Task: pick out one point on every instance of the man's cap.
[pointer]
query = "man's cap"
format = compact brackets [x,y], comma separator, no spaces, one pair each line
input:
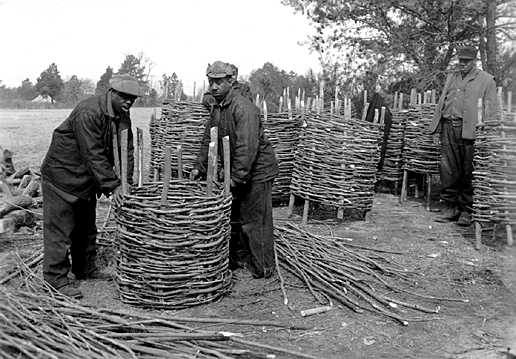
[235,71]
[467,52]
[125,83]
[219,70]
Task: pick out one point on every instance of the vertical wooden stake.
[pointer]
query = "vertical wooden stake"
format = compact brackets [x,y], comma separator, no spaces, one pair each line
[116,154]
[419,99]
[214,137]
[428,190]
[167,175]
[306,206]
[395,104]
[280,104]
[291,200]
[265,111]
[403,195]
[400,102]
[123,150]
[375,119]
[365,97]
[139,137]
[434,100]
[364,112]
[478,235]
[179,162]
[194,97]
[211,169]
[382,115]
[227,165]
[508,231]
[509,101]
[257,100]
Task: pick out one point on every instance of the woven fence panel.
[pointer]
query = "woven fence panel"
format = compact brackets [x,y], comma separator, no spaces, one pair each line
[181,123]
[283,130]
[336,161]
[420,154]
[174,255]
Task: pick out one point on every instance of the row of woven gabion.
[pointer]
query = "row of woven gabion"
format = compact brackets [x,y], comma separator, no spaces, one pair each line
[173,254]
[392,169]
[420,153]
[282,129]
[181,123]
[494,176]
[336,161]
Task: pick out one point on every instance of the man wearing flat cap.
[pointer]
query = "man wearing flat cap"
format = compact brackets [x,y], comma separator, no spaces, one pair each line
[454,123]
[253,169]
[78,167]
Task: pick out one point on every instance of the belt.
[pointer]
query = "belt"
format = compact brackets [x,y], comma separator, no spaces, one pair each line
[453,121]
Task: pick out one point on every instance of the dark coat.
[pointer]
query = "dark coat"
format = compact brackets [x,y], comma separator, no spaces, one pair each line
[252,156]
[80,158]
[377,102]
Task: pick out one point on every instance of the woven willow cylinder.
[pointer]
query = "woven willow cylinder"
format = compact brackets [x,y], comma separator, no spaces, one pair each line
[283,130]
[336,161]
[181,123]
[420,154]
[174,255]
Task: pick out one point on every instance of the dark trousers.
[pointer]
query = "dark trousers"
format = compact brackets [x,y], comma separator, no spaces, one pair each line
[68,230]
[252,237]
[456,166]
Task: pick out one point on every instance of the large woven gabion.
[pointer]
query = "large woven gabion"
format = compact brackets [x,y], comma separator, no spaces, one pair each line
[181,123]
[336,162]
[282,129]
[392,169]
[420,154]
[174,255]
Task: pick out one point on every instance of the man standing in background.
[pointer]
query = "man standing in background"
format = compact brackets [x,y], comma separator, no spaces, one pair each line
[78,167]
[454,121]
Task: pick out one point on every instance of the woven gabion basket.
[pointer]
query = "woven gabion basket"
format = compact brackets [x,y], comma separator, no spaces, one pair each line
[336,162]
[392,169]
[173,255]
[420,154]
[282,130]
[181,123]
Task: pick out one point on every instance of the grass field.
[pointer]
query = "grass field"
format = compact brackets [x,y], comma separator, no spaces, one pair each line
[28,132]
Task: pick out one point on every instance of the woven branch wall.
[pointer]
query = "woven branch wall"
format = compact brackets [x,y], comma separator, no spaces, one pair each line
[181,123]
[494,175]
[283,130]
[173,256]
[336,161]
[392,169]
[420,154]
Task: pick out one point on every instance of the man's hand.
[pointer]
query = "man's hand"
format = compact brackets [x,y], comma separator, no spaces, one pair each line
[195,174]
[436,139]
[117,197]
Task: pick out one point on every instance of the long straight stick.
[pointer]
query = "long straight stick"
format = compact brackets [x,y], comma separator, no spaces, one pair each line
[214,138]
[227,165]
[139,136]
[168,174]
[116,155]
[123,150]
[211,169]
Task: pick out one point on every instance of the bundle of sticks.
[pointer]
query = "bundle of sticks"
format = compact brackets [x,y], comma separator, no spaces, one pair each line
[282,129]
[420,153]
[355,276]
[37,322]
[182,123]
[336,161]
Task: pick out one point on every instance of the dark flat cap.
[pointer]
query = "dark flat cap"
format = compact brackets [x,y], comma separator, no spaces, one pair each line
[219,69]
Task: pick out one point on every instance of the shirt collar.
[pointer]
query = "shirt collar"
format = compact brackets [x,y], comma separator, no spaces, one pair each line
[229,97]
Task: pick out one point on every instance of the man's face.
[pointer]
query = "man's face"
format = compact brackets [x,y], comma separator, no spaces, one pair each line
[220,87]
[122,102]
[466,65]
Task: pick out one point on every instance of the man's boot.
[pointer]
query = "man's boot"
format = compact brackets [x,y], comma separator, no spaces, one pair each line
[464,219]
[449,214]
[96,274]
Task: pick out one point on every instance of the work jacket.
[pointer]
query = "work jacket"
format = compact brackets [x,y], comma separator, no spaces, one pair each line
[80,158]
[477,84]
[252,156]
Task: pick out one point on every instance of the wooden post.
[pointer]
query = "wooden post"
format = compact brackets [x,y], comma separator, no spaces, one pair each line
[167,175]
[280,104]
[382,115]
[376,116]
[306,207]
[179,162]
[123,150]
[419,98]
[365,98]
[214,137]
[211,169]
[395,104]
[321,95]
[227,165]
[139,136]
[508,228]
[257,100]
[400,102]
[116,154]
[478,227]
[265,113]
[404,183]
[428,190]
[413,97]
[194,95]
[509,101]
[434,100]
[364,112]
[291,201]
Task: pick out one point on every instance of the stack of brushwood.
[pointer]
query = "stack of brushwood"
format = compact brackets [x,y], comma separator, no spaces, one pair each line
[420,153]
[21,191]
[392,169]
[181,123]
[37,322]
[336,162]
[173,245]
[282,129]
[358,277]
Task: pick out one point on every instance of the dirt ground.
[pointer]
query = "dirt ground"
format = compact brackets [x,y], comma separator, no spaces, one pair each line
[441,253]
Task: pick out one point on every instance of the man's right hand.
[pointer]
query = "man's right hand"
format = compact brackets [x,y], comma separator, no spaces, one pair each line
[195,174]
[117,196]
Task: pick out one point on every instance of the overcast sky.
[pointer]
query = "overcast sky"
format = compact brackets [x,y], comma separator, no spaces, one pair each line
[83,37]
